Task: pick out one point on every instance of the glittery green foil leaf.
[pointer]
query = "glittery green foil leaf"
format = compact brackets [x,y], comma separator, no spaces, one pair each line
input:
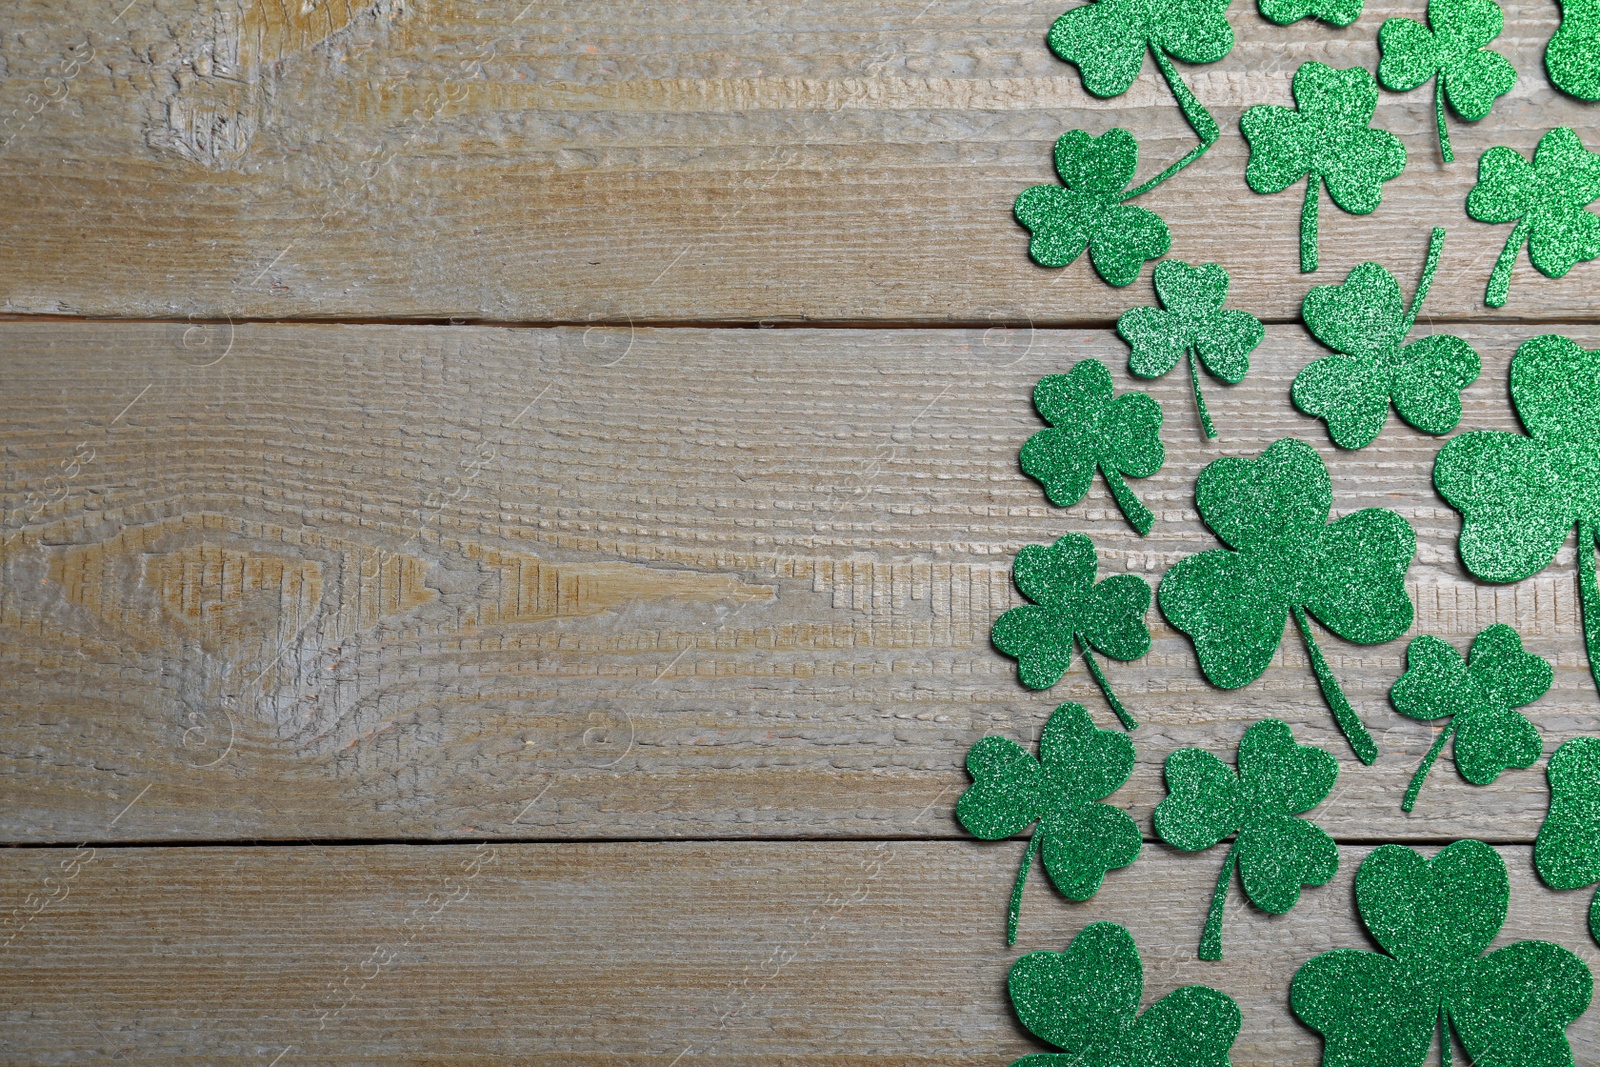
[1433,920]
[1094,430]
[1068,607]
[1452,53]
[1193,324]
[1078,766]
[1520,495]
[1365,321]
[1085,1001]
[1275,852]
[1477,696]
[1567,854]
[1285,559]
[1546,199]
[1086,209]
[1107,39]
[1326,141]
[1573,56]
[1337,12]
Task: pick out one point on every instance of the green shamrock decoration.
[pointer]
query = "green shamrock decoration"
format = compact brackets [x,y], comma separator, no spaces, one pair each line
[1275,852]
[1567,854]
[1087,211]
[1284,558]
[1478,696]
[1546,199]
[1092,431]
[1336,12]
[1085,1001]
[1452,53]
[1107,39]
[1069,607]
[1078,766]
[1365,321]
[1327,142]
[1519,495]
[1193,323]
[1433,920]
[1573,56]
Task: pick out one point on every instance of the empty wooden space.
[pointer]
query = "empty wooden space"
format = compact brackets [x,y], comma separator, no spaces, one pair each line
[504,507]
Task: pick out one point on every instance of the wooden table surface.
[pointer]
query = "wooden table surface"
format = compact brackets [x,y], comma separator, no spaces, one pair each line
[504,506]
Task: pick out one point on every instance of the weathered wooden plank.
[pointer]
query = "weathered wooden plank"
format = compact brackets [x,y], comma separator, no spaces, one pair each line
[356,582]
[706,161]
[689,953]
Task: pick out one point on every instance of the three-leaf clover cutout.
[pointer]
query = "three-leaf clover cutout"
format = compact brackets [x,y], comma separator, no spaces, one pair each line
[1284,558]
[1520,495]
[1546,199]
[1087,211]
[1433,920]
[1336,12]
[1085,1001]
[1092,429]
[1567,854]
[1478,695]
[1107,40]
[1572,57]
[1069,607]
[1450,49]
[1078,766]
[1191,322]
[1365,322]
[1328,142]
[1275,851]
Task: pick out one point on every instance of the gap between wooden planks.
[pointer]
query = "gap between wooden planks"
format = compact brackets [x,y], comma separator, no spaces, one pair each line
[363,583]
[694,162]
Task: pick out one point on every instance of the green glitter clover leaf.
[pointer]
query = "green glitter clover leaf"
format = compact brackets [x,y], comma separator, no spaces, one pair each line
[1519,495]
[1078,766]
[1337,12]
[1284,558]
[1567,854]
[1573,56]
[1327,142]
[1087,211]
[1107,39]
[1452,52]
[1477,695]
[1365,321]
[1069,607]
[1275,852]
[1193,323]
[1085,1001]
[1092,431]
[1546,199]
[1433,919]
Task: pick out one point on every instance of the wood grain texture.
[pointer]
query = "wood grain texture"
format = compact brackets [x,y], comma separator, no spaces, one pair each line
[708,161]
[814,953]
[416,582]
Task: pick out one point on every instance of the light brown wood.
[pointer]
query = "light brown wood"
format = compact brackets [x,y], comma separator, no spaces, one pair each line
[888,953]
[708,161]
[393,582]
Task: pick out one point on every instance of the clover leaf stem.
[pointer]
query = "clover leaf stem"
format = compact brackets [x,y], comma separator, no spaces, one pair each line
[1589,594]
[1447,1054]
[1199,400]
[1308,224]
[1200,120]
[1128,721]
[1133,509]
[1444,132]
[1211,938]
[1016,889]
[1435,248]
[1410,800]
[1500,279]
[1366,749]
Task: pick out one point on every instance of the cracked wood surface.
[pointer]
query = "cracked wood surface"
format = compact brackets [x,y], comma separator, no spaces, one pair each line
[606,161]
